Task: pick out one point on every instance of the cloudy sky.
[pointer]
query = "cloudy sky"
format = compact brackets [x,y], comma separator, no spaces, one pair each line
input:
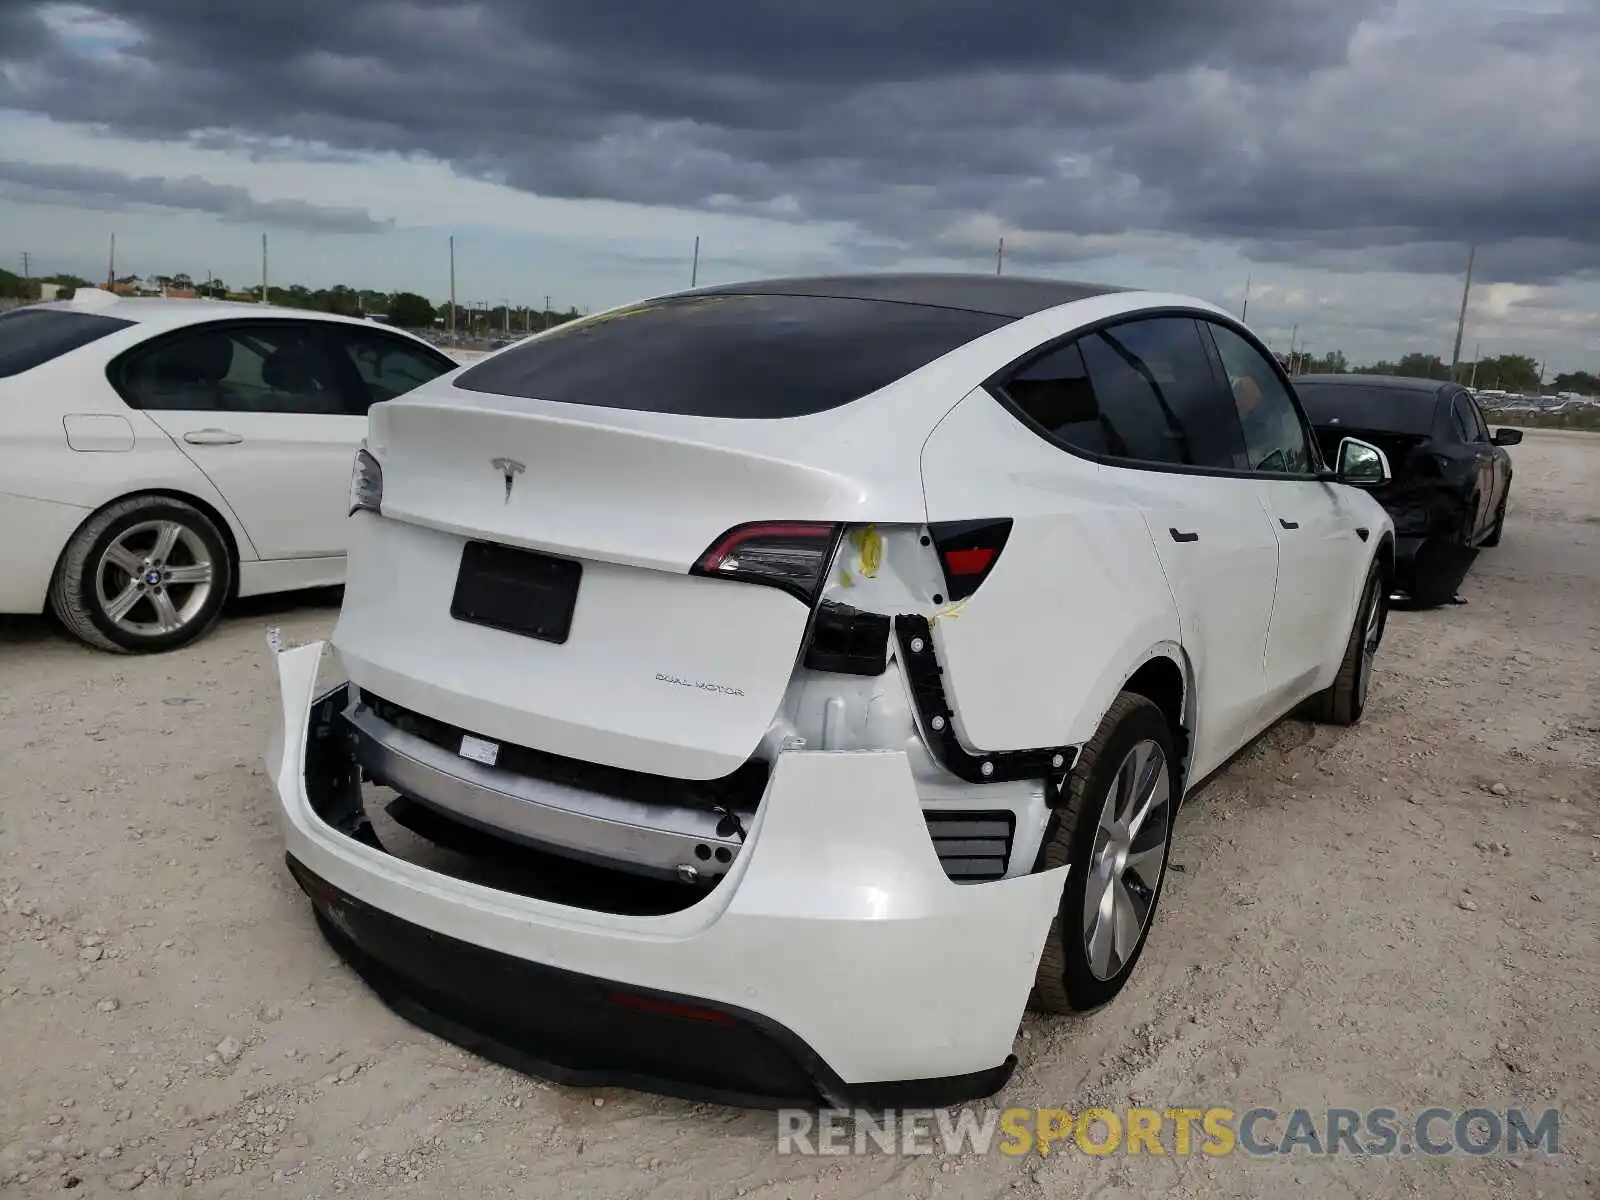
[1341,153]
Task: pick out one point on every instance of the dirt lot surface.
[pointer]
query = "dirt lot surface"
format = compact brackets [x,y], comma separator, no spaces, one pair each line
[1399,915]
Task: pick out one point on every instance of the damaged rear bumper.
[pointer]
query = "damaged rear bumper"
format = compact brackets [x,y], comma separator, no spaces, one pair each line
[835,963]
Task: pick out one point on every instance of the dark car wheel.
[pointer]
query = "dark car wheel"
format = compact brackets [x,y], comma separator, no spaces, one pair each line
[1499,523]
[143,575]
[1113,833]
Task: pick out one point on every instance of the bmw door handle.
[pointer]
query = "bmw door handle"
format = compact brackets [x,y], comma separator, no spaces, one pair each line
[212,437]
[1288,524]
[1180,536]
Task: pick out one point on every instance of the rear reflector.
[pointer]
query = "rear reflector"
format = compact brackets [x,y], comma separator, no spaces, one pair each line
[670,1008]
[791,555]
[968,551]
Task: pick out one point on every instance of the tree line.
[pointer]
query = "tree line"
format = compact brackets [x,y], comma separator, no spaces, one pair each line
[1504,372]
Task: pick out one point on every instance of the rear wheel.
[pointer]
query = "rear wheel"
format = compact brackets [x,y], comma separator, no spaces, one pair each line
[1499,523]
[1113,833]
[143,575]
[1343,702]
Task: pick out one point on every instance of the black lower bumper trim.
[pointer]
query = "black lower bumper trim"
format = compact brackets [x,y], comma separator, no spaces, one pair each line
[583,1031]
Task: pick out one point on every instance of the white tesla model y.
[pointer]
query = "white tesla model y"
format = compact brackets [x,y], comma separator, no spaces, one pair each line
[791,681]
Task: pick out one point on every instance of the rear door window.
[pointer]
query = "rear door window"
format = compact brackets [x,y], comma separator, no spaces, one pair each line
[31,337]
[1141,391]
[271,367]
[740,356]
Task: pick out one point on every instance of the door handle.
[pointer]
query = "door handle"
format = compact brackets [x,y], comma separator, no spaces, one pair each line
[1288,524]
[1178,536]
[212,437]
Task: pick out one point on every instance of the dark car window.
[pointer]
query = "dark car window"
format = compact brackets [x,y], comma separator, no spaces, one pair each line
[31,337]
[743,356]
[1275,437]
[1471,418]
[1140,390]
[1374,407]
[1459,418]
[389,366]
[280,367]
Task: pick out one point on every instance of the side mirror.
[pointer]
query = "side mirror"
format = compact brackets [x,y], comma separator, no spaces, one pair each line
[1507,437]
[1362,463]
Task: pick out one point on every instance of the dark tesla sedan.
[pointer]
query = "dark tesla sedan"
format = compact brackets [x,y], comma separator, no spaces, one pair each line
[1451,477]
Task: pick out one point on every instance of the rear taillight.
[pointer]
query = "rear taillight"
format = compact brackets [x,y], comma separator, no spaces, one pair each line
[968,551]
[791,555]
[366,484]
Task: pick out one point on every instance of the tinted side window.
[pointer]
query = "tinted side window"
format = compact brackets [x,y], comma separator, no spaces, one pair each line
[1459,418]
[30,337]
[281,368]
[389,366]
[1471,419]
[1155,397]
[1275,439]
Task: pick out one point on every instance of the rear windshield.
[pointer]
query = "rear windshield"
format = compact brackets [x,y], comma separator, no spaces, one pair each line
[730,355]
[1367,406]
[31,336]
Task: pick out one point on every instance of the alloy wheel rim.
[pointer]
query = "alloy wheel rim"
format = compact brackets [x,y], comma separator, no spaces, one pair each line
[1127,859]
[154,578]
[1369,646]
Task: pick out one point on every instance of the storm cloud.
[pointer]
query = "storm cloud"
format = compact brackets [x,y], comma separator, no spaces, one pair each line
[91,187]
[1342,133]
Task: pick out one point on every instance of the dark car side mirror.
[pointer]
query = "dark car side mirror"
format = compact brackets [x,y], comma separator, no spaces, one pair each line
[1507,437]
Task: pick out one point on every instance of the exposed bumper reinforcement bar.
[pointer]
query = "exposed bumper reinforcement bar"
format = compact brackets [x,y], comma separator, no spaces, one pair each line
[647,839]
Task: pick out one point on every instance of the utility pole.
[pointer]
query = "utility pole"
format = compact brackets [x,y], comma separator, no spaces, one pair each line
[1293,335]
[1477,353]
[545,323]
[694,270]
[111,271]
[25,272]
[1246,306]
[1000,256]
[264,294]
[452,287]
[1461,321]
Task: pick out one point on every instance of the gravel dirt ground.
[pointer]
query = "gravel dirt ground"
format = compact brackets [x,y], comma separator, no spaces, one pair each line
[1400,915]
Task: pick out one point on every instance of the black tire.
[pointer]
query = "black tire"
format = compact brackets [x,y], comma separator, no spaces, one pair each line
[1065,981]
[75,588]
[1345,700]
[1499,524]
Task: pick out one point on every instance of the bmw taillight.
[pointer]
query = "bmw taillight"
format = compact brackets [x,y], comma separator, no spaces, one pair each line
[968,551]
[366,484]
[790,555]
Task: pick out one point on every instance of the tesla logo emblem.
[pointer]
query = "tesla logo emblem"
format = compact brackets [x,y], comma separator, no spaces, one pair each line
[510,468]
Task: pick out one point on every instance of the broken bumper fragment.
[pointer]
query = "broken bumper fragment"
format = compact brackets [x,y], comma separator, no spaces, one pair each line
[835,963]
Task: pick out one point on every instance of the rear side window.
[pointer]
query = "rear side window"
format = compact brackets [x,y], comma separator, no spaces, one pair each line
[1141,390]
[30,337]
[730,355]
[1368,406]
[389,366]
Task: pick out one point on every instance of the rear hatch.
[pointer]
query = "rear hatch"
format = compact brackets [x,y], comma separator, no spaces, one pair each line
[606,542]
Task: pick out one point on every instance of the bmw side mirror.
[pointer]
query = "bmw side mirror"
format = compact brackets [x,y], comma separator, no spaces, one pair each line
[1507,437]
[1362,463]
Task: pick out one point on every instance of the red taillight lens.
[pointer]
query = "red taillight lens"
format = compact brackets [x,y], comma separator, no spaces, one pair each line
[792,555]
[670,1008]
[968,551]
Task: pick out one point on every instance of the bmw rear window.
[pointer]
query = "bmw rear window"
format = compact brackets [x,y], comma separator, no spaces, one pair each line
[1368,406]
[30,337]
[730,355]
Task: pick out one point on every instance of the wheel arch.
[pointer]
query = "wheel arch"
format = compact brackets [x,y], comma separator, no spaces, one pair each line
[215,515]
[1164,677]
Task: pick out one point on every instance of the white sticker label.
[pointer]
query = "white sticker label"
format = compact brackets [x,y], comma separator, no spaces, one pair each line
[479,750]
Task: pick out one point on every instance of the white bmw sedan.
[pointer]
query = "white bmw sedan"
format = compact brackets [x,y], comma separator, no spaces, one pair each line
[811,671]
[160,456]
